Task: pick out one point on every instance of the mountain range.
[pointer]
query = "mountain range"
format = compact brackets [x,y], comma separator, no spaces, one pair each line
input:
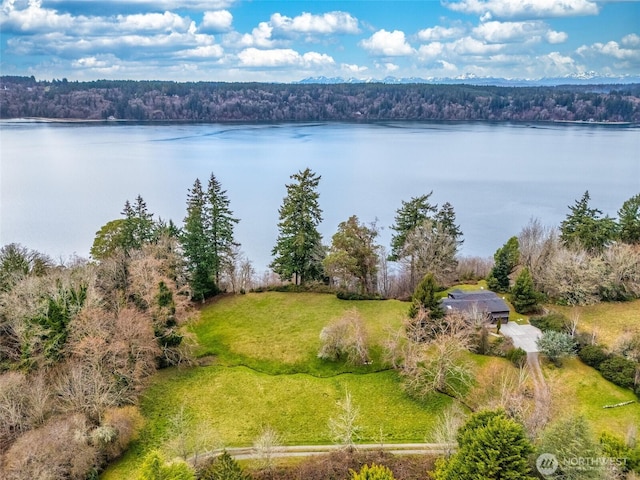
[583,78]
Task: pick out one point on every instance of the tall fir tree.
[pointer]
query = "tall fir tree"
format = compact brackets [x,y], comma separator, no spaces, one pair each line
[195,244]
[629,220]
[410,216]
[585,227]
[138,228]
[446,218]
[219,227]
[506,259]
[298,252]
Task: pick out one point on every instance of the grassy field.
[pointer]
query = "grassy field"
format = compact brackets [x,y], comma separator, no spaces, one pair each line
[578,389]
[610,320]
[280,332]
[259,366]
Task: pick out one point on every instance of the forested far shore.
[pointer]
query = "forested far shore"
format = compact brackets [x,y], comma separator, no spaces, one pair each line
[23,97]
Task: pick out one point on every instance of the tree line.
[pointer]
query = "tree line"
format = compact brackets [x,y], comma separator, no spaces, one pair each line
[250,102]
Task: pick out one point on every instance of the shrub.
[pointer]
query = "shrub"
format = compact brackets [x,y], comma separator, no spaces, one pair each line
[346,295]
[490,445]
[373,472]
[58,449]
[127,422]
[553,321]
[517,356]
[155,468]
[223,468]
[345,338]
[619,370]
[556,346]
[593,355]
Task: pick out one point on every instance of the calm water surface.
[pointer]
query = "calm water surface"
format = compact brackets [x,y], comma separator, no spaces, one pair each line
[61,182]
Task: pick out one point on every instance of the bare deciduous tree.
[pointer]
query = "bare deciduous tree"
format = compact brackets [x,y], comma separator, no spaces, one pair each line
[58,449]
[266,446]
[446,428]
[344,427]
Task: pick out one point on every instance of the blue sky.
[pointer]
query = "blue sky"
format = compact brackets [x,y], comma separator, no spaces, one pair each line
[283,41]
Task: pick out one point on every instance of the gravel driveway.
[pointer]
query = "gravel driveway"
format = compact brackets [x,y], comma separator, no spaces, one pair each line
[523,336]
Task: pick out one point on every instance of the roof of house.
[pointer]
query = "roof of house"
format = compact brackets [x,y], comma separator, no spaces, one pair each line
[483,300]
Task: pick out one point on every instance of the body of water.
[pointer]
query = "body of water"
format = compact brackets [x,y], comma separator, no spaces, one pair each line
[61,182]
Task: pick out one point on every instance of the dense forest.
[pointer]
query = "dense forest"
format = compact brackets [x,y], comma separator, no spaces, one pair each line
[22,97]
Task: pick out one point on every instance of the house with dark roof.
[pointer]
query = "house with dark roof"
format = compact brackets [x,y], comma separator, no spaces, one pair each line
[477,301]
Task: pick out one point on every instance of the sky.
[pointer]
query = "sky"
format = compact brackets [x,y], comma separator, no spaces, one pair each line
[288,40]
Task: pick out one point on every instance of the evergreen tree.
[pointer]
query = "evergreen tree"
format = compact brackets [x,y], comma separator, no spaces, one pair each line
[219,231]
[490,446]
[524,296]
[585,227]
[425,298]
[224,468]
[629,220]
[570,438]
[298,252]
[139,227]
[506,259]
[446,218]
[196,246]
[408,217]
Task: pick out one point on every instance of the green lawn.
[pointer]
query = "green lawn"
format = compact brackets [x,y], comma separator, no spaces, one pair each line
[259,366]
[280,332]
[610,320]
[578,389]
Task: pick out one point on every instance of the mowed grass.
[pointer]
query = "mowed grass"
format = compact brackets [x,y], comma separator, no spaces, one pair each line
[609,320]
[260,368]
[280,332]
[578,389]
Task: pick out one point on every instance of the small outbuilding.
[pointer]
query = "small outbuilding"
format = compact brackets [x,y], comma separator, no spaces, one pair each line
[478,301]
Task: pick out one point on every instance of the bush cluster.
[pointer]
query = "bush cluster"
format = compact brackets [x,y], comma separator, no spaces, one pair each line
[346,295]
[552,321]
[614,367]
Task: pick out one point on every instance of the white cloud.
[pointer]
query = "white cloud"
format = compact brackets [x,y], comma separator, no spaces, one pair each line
[611,49]
[327,23]
[556,37]
[472,46]
[217,21]
[149,22]
[204,52]
[525,8]
[388,67]
[352,68]
[259,37]
[430,51]
[632,40]
[165,4]
[89,62]
[282,57]
[439,33]
[317,59]
[388,44]
[508,32]
[31,17]
[555,64]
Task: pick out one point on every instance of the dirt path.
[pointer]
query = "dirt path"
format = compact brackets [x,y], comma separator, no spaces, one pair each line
[540,389]
[248,453]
